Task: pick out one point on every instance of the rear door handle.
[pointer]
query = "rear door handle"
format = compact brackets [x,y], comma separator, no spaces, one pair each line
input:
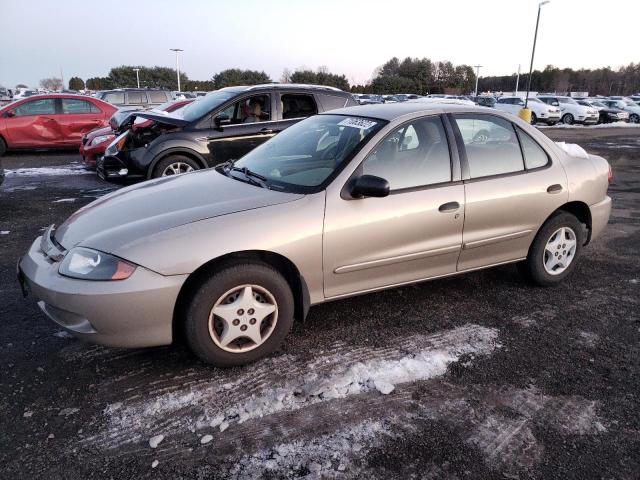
[449,207]
[265,131]
[555,188]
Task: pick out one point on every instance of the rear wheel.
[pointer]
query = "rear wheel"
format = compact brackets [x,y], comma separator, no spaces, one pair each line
[554,252]
[634,118]
[240,314]
[568,119]
[174,165]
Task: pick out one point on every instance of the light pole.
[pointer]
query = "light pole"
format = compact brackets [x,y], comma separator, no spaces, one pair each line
[518,79]
[533,52]
[137,70]
[477,76]
[177,50]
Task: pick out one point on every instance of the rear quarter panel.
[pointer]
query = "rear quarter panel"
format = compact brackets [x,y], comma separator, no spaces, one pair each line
[588,178]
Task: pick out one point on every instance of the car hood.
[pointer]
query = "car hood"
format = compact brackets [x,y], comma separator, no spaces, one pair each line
[120,123]
[129,214]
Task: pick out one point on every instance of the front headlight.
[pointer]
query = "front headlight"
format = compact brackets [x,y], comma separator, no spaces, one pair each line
[88,264]
[101,138]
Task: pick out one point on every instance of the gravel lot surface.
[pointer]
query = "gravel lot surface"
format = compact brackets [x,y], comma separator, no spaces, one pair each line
[476,376]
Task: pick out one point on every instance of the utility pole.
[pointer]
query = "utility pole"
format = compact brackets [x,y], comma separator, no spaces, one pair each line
[478,67]
[61,79]
[518,80]
[533,52]
[177,50]
[137,70]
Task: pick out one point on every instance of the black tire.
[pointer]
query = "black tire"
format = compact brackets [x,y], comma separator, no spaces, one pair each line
[568,119]
[532,269]
[551,124]
[534,119]
[634,118]
[3,146]
[162,165]
[221,281]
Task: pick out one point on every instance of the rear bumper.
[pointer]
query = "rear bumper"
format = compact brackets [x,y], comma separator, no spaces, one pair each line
[600,213]
[136,312]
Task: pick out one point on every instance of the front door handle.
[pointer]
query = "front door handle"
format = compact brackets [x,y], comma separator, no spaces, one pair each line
[555,188]
[449,207]
[265,131]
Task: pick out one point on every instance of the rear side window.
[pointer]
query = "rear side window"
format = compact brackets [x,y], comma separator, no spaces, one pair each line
[414,155]
[298,106]
[136,97]
[45,106]
[71,105]
[491,145]
[114,97]
[534,154]
[157,97]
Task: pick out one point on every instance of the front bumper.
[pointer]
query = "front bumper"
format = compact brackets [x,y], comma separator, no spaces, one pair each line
[599,217]
[136,312]
[112,167]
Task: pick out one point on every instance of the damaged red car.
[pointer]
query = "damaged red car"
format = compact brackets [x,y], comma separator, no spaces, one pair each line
[96,141]
[51,121]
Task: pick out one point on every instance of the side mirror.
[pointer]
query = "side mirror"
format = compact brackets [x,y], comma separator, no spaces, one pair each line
[10,113]
[221,120]
[369,186]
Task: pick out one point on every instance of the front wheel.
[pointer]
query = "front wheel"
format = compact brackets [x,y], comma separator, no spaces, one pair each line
[3,147]
[534,119]
[568,119]
[634,118]
[174,165]
[554,251]
[240,314]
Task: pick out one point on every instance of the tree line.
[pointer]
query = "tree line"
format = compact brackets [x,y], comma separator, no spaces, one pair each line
[410,75]
[601,81]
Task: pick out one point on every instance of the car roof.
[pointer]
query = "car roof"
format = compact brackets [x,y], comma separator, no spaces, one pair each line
[391,111]
[284,86]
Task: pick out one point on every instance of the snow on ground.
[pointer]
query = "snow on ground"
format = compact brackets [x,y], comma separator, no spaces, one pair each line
[49,171]
[64,200]
[600,125]
[289,384]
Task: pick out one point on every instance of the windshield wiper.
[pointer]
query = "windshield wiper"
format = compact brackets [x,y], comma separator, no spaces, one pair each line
[252,177]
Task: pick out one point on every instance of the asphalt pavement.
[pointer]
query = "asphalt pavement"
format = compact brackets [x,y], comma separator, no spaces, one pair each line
[475,376]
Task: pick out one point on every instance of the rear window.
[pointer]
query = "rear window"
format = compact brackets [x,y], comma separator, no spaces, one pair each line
[136,97]
[72,105]
[298,106]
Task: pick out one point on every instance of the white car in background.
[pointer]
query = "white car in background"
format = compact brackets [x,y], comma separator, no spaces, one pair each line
[571,111]
[540,111]
[627,105]
[446,100]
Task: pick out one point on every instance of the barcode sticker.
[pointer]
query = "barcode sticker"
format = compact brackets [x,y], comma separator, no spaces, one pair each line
[357,122]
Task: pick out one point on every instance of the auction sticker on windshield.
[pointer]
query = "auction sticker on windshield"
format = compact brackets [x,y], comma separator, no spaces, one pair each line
[357,122]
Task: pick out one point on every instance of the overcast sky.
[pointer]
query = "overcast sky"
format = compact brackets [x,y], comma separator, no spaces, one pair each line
[86,38]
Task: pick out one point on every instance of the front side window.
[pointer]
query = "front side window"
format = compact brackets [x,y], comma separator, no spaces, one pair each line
[414,155]
[306,155]
[72,105]
[534,154]
[114,97]
[45,106]
[299,106]
[249,110]
[491,145]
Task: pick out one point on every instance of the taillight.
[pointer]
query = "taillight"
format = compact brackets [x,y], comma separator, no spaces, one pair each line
[610,176]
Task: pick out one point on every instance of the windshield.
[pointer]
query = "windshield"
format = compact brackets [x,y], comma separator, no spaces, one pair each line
[598,104]
[567,100]
[205,104]
[534,100]
[308,154]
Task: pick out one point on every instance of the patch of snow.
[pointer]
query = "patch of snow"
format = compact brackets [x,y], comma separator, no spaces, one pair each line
[5,232]
[51,435]
[27,414]
[20,188]
[154,464]
[383,387]
[155,440]
[64,200]
[206,439]
[600,125]
[338,374]
[48,171]
[634,281]
[63,334]
[68,411]
[573,149]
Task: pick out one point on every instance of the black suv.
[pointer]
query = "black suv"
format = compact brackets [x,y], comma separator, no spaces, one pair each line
[222,126]
[133,97]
